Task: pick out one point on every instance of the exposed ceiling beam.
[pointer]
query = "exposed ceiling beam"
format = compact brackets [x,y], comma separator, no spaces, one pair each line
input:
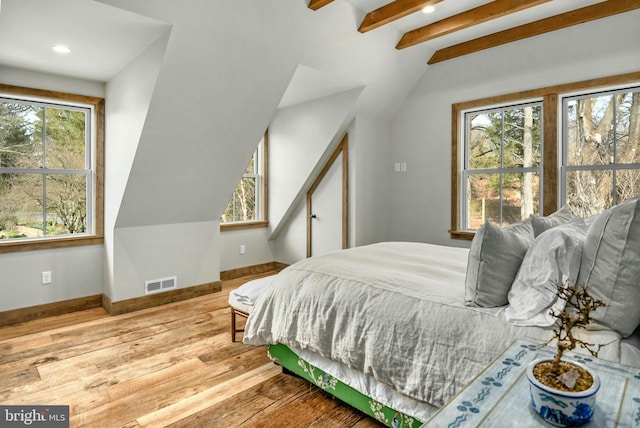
[392,11]
[486,12]
[317,4]
[563,20]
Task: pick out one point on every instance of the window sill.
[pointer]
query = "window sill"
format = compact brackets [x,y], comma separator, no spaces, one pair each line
[464,235]
[49,243]
[224,227]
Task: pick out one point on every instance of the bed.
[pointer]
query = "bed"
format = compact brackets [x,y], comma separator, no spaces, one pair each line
[396,329]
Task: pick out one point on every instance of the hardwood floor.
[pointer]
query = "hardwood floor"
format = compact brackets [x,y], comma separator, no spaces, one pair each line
[172,365]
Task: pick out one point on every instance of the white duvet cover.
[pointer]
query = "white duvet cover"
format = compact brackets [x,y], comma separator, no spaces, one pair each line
[394,311]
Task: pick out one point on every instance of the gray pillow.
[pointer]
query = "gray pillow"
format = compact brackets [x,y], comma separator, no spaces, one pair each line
[494,259]
[540,224]
[610,266]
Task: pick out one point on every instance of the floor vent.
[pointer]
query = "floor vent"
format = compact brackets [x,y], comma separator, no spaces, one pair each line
[160,285]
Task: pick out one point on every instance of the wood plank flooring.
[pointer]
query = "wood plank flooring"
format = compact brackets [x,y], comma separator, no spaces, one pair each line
[168,366]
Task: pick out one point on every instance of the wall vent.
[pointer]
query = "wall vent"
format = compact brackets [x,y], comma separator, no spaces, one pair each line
[160,285]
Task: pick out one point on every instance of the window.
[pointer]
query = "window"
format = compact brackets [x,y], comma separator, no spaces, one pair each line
[531,152]
[48,174]
[601,150]
[247,206]
[501,173]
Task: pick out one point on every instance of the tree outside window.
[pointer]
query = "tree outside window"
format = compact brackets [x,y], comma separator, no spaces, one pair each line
[45,169]
[247,199]
[502,164]
[601,150]
[502,171]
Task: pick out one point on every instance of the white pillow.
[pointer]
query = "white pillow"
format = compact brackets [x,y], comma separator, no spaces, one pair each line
[540,224]
[494,259]
[553,259]
[610,266]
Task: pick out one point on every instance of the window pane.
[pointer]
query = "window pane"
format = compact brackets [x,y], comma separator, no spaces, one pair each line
[590,131]
[483,199]
[522,136]
[515,130]
[243,205]
[246,199]
[628,128]
[520,196]
[20,135]
[485,136]
[21,206]
[65,131]
[502,198]
[251,167]
[627,184]
[66,204]
[589,192]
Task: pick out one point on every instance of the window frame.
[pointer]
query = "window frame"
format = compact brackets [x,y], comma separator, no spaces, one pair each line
[614,166]
[467,172]
[96,104]
[262,178]
[551,138]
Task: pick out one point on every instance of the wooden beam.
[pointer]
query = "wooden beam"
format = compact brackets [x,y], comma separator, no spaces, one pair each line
[317,4]
[486,12]
[563,20]
[392,11]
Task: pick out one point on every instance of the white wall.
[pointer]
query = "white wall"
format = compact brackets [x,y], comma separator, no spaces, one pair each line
[187,250]
[128,96]
[301,138]
[20,273]
[291,243]
[258,248]
[50,82]
[225,69]
[75,271]
[421,129]
[370,169]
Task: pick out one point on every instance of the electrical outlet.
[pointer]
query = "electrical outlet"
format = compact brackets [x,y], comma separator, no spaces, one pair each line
[243,249]
[46,277]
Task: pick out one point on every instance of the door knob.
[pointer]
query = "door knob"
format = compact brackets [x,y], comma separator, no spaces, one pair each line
[314,216]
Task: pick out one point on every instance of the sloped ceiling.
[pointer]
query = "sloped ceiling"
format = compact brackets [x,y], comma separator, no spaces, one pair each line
[102,39]
[309,84]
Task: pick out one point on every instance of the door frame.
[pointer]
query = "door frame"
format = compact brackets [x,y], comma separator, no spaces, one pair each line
[342,148]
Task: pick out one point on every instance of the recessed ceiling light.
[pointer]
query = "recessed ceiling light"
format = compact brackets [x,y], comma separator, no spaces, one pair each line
[61,49]
[428,9]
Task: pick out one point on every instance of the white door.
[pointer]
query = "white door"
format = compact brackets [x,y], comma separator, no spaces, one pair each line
[326,211]
[327,204]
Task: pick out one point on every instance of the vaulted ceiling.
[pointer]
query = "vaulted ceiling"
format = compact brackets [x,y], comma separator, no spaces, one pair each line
[462,27]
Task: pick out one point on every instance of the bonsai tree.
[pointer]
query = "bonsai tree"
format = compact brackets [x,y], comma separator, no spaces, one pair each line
[579,305]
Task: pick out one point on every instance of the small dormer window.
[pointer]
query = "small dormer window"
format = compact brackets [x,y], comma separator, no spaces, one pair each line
[247,207]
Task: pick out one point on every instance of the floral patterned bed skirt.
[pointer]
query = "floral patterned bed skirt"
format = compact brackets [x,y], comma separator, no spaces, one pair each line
[288,359]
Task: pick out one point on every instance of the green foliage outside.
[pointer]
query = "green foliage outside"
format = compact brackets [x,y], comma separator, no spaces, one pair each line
[502,144]
[602,157]
[42,149]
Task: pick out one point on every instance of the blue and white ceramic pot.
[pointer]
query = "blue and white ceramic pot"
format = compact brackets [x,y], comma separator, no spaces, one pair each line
[562,408]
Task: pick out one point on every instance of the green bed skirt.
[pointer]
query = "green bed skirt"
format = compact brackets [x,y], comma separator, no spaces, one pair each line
[288,359]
